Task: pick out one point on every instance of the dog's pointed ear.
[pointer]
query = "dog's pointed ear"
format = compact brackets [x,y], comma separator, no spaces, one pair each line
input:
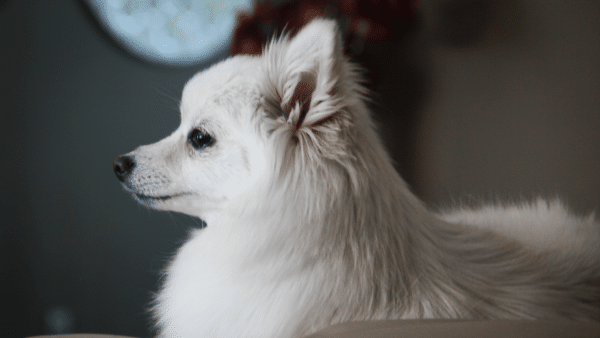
[303,74]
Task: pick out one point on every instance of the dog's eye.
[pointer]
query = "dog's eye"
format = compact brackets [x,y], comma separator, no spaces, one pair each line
[199,139]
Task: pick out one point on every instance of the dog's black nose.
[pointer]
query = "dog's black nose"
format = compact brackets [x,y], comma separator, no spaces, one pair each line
[123,165]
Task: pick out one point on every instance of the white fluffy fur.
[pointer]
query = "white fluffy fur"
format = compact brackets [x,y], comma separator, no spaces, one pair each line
[309,224]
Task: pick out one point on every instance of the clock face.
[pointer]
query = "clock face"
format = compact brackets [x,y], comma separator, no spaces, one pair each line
[172,32]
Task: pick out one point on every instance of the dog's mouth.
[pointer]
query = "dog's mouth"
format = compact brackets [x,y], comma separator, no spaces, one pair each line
[148,198]
[153,198]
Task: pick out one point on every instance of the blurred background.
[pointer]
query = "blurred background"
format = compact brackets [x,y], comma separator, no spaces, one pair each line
[477,100]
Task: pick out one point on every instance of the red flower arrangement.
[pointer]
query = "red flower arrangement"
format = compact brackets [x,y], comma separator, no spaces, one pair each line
[365,21]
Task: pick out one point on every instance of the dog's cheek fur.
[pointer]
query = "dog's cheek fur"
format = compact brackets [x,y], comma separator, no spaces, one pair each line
[223,172]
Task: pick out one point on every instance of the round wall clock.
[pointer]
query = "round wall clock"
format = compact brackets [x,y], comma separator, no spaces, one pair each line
[172,32]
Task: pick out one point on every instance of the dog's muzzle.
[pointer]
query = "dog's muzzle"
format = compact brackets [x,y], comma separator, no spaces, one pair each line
[123,166]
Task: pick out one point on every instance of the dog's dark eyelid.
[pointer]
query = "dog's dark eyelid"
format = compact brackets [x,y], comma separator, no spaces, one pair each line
[199,139]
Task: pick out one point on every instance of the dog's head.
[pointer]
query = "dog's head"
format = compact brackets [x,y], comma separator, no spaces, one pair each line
[249,117]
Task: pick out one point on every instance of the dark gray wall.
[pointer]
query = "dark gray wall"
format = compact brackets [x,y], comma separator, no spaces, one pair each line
[70,238]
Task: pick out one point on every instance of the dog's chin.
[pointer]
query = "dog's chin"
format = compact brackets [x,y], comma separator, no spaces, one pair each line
[182,202]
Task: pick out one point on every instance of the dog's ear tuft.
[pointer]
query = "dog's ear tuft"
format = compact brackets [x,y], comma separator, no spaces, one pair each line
[303,74]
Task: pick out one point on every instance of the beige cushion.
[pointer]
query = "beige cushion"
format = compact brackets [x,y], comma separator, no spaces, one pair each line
[440,329]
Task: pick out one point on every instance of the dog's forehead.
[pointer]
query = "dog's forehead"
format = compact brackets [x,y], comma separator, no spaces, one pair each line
[227,76]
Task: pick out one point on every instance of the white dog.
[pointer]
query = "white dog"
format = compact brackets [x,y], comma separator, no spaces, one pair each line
[309,224]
